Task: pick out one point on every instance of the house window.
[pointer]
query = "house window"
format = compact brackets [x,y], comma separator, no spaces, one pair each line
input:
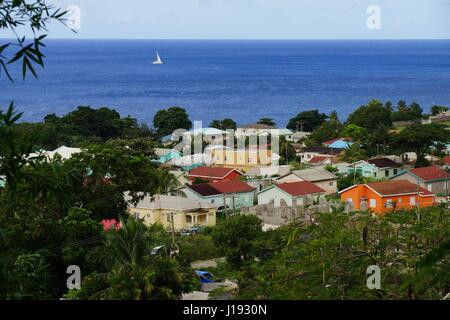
[136,215]
[188,219]
[395,171]
[331,183]
[213,200]
[374,174]
[386,173]
[430,187]
[412,201]
[373,203]
[389,203]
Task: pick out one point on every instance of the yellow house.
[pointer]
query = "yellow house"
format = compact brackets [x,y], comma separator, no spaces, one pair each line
[243,159]
[186,213]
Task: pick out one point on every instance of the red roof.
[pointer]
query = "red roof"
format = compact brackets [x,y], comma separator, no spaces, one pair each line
[301,188]
[447,160]
[211,172]
[430,173]
[318,159]
[394,187]
[221,187]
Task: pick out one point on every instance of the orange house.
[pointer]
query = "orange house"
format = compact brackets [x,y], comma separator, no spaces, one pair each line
[383,197]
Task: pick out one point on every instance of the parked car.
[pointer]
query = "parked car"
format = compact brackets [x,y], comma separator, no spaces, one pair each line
[206,277]
[223,209]
[190,231]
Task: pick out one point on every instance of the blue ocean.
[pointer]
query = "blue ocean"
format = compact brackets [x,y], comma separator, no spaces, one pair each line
[242,80]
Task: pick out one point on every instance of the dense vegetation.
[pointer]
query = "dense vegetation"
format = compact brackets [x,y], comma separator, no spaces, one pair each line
[328,257]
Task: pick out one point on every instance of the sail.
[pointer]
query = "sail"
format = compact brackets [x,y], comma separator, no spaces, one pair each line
[158,59]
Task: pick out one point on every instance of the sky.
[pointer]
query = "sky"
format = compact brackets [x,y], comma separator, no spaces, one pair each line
[256,19]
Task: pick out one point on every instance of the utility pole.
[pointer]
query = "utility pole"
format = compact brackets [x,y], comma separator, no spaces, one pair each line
[225,205]
[234,207]
[174,249]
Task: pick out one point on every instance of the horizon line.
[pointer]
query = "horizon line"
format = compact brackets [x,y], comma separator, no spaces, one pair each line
[253,39]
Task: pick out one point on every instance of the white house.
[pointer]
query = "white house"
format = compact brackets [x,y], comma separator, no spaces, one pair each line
[292,194]
[321,177]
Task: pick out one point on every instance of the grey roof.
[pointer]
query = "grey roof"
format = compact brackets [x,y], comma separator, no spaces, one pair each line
[169,203]
[257,126]
[314,174]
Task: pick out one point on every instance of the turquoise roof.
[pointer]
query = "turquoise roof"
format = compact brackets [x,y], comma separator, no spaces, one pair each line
[340,144]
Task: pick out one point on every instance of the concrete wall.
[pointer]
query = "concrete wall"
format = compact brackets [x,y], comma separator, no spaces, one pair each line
[285,214]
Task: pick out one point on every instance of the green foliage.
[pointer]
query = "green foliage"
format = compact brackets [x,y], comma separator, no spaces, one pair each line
[168,120]
[357,133]
[328,130]
[353,153]
[267,121]
[17,16]
[328,259]
[435,110]
[307,120]
[371,116]
[82,126]
[135,274]
[407,113]
[234,238]
[287,151]
[422,139]
[224,124]
[197,247]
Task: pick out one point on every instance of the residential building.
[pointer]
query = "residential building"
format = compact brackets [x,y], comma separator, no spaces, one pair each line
[339,143]
[213,174]
[434,179]
[186,212]
[167,156]
[446,162]
[210,135]
[377,168]
[282,133]
[63,152]
[254,129]
[292,194]
[244,159]
[271,171]
[187,163]
[298,136]
[321,177]
[383,197]
[306,154]
[322,161]
[234,193]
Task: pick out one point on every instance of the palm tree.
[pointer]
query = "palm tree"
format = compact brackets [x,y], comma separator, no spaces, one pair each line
[164,182]
[286,149]
[352,154]
[129,244]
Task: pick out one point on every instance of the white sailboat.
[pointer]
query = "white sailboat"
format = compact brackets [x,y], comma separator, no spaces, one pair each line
[158,59]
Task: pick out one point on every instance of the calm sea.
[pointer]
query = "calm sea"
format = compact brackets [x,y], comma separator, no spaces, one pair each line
[242,80]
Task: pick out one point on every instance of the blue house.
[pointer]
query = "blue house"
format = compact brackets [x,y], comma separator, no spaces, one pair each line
[340,143]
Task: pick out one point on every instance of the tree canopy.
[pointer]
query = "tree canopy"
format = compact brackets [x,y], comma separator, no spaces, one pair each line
[168,120]
[307,120]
